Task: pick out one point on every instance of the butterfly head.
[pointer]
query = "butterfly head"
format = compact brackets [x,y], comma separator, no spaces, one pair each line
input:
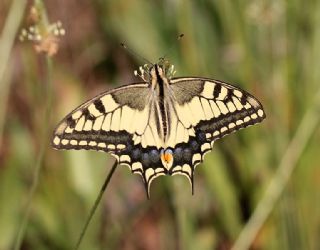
[166,67]
[150,71]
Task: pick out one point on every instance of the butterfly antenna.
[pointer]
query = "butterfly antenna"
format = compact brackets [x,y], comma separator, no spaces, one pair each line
[135,54]
[171,47]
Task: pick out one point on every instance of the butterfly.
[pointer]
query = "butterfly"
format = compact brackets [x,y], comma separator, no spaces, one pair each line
[162,125]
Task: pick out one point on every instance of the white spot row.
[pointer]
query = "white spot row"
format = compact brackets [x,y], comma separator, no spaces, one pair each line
[58,141]
[233,125]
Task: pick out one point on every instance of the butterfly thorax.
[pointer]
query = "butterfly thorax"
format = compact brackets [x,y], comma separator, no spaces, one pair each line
[160,98]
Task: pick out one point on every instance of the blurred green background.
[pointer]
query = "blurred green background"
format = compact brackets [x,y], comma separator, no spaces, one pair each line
[270,48]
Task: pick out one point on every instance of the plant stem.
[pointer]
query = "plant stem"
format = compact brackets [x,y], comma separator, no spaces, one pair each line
[96,203]
[278,183]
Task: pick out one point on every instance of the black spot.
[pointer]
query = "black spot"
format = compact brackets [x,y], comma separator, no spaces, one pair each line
[202,137]
[187,154]
[71,122]
[136,154]
[99,106]
[154,156]
[243,99]
[228,96]
[145,159]
[177,155]
[217,90]
[88,115]
[194,145]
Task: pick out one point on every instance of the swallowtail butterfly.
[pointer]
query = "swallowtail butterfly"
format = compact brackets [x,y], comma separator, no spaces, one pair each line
[162,125]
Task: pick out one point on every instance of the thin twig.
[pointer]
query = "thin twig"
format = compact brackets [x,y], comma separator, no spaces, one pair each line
[96,203]
[278,183]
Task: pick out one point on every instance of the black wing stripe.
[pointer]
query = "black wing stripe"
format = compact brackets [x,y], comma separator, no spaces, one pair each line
[216,91]
[99,106]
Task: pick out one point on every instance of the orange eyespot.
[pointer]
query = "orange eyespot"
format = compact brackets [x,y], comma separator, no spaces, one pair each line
[167,156]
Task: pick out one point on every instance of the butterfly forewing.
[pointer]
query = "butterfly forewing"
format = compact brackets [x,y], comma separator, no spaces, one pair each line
[106,122]
[215,107]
